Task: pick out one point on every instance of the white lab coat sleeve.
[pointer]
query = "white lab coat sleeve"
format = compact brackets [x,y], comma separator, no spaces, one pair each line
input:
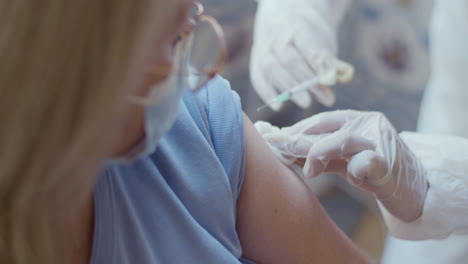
[444,108]
[445,160]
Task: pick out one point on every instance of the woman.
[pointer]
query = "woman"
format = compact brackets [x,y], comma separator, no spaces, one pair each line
[88,84]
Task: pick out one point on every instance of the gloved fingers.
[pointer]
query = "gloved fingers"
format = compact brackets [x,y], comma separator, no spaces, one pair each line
[335,166]
[309,47]
[263,128]
[313,52]
[299,146]
[338,167]
[317,124]
[326,68]
[279,142]
[282,79]
[314,34]
[323,94]
[329,72]
[302,72]
[326,122]
[264,89]
[338,146]
[290,58]
[302,99]
[324,64]
[300,162]
[367,167]
[332,70]
[299,71]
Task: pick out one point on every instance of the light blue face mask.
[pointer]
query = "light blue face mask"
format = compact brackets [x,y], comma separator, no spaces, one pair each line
[159,118]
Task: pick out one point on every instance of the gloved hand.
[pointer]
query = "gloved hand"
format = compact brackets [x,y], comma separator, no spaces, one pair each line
[289,145]
[295,41]
[364,148]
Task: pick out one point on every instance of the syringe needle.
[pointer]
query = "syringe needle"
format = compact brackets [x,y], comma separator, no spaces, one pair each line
[262,107]
[285,96]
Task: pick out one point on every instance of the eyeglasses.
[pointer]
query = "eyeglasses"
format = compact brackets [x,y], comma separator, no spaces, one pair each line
[206,48]
[200,53]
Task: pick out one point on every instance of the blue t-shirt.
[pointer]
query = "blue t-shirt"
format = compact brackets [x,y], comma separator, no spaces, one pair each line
[179,204]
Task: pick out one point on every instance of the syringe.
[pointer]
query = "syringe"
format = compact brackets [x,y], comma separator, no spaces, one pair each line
[286,96]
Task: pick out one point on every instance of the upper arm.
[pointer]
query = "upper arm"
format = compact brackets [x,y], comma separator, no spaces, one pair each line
[279,220]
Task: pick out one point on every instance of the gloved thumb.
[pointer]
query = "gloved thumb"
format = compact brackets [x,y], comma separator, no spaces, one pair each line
[369,171]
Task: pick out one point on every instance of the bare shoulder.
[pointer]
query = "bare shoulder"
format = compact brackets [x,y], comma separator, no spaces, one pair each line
[279,219]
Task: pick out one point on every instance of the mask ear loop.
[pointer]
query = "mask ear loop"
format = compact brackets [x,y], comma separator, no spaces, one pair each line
[195,78]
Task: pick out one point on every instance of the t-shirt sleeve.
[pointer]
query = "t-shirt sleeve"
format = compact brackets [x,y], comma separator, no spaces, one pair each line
[223,111]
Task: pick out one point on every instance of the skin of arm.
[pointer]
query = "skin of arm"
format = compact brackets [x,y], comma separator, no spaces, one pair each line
[279,220]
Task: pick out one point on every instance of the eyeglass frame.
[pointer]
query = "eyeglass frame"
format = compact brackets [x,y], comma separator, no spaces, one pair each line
[222,54]
[183,38]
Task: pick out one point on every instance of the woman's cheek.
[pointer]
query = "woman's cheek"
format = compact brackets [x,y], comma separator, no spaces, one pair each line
[158,72]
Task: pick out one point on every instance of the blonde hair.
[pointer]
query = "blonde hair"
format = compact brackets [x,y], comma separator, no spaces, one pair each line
[63,69]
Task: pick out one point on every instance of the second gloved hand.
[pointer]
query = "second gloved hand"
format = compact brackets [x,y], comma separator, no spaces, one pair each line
[295,41]
[364,148]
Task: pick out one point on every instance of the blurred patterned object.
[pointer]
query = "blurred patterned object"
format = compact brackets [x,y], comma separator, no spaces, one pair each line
[390,49]
[387,41]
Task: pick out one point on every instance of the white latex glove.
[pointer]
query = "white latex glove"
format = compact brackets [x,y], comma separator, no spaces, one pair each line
[290,147]
[295,41]
[445,97]
[445,160]
[363,147]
